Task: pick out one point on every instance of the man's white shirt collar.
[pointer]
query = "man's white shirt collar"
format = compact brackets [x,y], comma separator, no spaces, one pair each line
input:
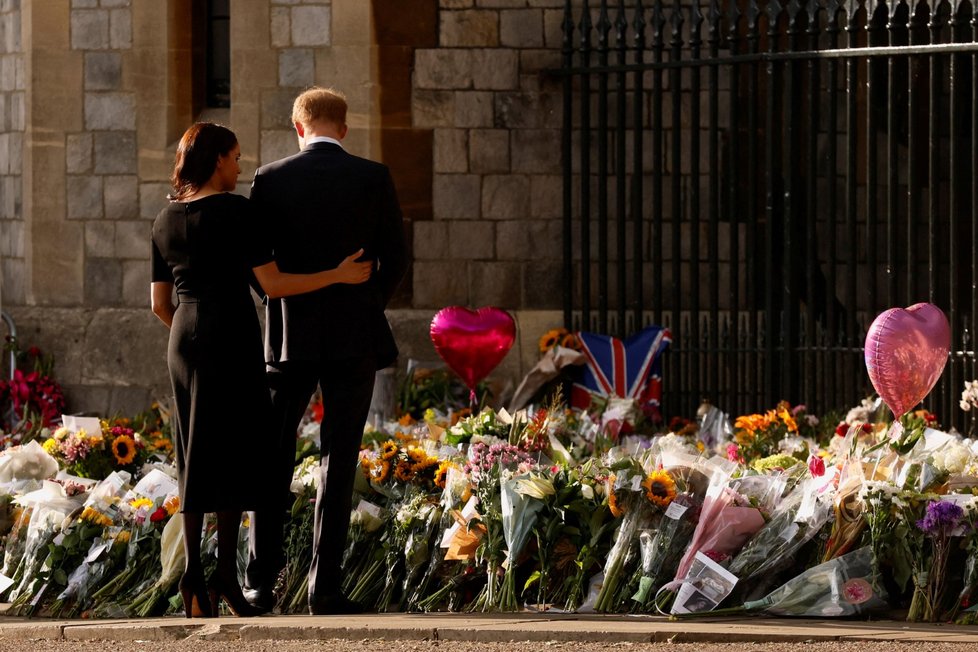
[323,139]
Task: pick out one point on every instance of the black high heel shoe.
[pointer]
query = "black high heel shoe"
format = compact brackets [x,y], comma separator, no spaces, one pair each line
[220,588]
[193,589]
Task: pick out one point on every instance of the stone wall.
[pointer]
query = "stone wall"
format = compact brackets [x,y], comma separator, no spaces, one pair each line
[12,240]
[450,94]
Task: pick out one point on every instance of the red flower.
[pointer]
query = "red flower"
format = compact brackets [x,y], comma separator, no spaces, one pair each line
[816,466]
[34,351]
[158,515]
[842,429]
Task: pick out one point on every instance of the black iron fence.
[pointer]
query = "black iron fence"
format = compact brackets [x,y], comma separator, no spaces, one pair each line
[764,178]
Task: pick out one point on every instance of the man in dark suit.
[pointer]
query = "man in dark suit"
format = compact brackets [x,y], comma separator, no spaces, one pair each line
[317,206]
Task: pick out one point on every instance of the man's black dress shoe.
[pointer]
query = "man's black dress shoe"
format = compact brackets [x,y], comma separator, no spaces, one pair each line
[260,599]
[334,605]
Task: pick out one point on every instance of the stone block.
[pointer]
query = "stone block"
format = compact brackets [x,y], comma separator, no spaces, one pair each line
[132,239]
[521,28]
[84,197]
[296,67]
[276,108]
[440,284]
[277,144]
[543,285]
[120,29]
[89,29]
[505,197]
[152,199]
[15,152]
[537,151]
[500,4]
[121,197]
[17,111]
[84,4]
[471,28]
[553,28]
[115,3]
[285,2]
[455,196]
[473,109]
[110,111]
[471,240]
[456,4]
[12,243]
[311,25]
[136,278]
[431,240]
[495,69]
[4,154]
[451,151]
[527,110]
[529,240]
[281,27]
[446,68]
[103,282]
[546,196]
[136,351]
[432,109]
[12,281]
[100,239]
[546,4]
[489,150]
[115,152]
[11,197]
[103,71]
[495,284]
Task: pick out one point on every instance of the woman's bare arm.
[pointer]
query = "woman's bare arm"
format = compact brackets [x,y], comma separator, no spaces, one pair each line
[161,299]
[277,283]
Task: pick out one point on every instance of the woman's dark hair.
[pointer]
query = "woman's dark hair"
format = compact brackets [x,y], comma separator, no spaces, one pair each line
[197,155]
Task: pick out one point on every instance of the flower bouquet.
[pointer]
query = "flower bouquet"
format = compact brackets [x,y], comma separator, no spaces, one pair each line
[941,523]
[523,498]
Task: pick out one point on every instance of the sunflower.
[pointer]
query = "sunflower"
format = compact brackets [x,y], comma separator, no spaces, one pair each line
[379,470]
[141,502]
[551,339]
[172,505]
[94,516]
[388,449]
[660,488]
[124,449]
[570,341]
[416,455]
[441,474]
[616,510]
[403,471]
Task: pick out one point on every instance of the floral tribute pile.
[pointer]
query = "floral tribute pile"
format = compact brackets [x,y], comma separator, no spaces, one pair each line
[549,508]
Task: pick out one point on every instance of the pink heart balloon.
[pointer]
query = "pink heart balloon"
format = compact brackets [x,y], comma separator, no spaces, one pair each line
[472,342]
[906,350]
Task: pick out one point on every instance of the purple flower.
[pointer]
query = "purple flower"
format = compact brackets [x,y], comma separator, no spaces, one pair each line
[941,518]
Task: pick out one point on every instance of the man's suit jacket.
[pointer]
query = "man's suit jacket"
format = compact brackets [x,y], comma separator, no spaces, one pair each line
[318,207]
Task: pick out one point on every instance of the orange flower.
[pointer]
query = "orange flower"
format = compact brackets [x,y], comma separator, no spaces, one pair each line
[616,510]
[660,488]
[406,419]
[551,338]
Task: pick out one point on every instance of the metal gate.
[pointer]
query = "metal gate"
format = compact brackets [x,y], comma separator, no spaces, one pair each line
[765,177]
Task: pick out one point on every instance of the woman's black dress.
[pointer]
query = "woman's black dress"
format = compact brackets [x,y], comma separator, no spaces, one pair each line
[207,249]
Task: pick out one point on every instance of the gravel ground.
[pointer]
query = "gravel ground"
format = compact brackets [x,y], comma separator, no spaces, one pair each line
[337,645]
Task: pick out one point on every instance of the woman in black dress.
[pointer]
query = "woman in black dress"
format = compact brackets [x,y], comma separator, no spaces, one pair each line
[207,245]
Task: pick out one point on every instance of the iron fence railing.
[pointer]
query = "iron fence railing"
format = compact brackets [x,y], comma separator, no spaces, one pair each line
[764,177]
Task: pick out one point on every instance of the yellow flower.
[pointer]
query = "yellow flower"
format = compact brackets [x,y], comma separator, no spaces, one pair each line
[441,475]
[379,470]
[388,449]
[406,419]
[660,488]
[50,446]
[96,517]
[124,449]
[616,510]
[141,502]
[416,455]
[403,471]
[551,339]
[172,505]
[61,433]
[570,341]
[123,537]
